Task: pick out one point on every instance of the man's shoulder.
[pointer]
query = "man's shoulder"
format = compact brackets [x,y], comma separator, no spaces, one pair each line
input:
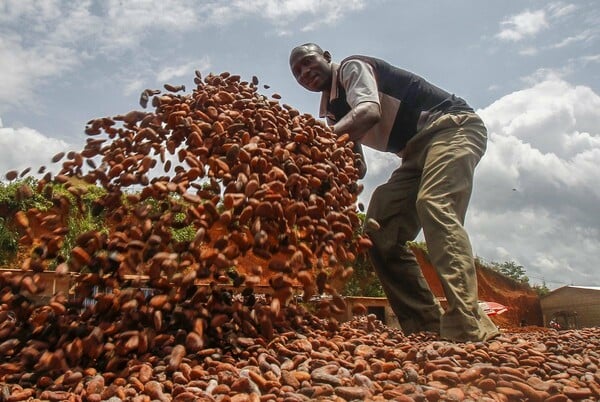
[357,60]
[354,64]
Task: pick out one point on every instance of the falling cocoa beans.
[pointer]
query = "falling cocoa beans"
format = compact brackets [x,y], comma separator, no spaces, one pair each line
[223,209]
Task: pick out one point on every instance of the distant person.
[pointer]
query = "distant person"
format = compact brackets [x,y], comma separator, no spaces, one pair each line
[440,140]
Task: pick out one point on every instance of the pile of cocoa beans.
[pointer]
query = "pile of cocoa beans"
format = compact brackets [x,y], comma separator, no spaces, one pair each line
[361,360]
[278,184]
[153,317]
[250,177]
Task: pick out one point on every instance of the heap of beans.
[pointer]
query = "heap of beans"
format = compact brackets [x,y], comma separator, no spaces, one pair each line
[256,178]
[225,160]
[360,360]
[250,176]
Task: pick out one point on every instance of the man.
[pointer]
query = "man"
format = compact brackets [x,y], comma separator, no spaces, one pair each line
[440,140]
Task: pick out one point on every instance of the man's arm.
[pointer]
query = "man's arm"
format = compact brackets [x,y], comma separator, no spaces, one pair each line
[360,162]
[359,82]
[358,79]
[358,120]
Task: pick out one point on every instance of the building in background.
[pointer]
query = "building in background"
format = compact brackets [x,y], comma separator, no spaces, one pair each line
[571,307]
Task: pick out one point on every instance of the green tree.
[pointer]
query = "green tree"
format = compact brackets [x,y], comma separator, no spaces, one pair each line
[512,270]
[9,242]
[364,282]
[22,194]
[541,290]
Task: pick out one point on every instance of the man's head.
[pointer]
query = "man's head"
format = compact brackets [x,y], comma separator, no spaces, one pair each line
[311,67]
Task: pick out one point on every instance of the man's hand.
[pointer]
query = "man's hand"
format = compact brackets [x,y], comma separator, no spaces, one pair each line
[362,168]
[360,163]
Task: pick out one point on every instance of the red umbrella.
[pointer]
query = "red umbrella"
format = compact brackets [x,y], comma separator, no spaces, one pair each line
[492,308]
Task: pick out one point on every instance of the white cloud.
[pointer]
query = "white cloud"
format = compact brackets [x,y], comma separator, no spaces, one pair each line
[282,12]
[166,74]
[527,23]
[44,50]
[128,22]
[44,40]
[132,86]
[560,9]
[549,115]
[22,148]
[595,58]
[23,68]
[12,10]
[528,51]
[581,37]
[380,162]
[380,166]
[537,183]
[547,74]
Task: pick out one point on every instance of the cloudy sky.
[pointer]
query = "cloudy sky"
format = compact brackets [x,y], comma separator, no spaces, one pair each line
[530,68]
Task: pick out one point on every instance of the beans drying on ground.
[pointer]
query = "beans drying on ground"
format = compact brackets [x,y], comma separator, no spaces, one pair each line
[358,360]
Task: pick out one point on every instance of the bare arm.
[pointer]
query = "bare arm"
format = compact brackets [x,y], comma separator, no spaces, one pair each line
[359,120]
[359,82]
[356,123]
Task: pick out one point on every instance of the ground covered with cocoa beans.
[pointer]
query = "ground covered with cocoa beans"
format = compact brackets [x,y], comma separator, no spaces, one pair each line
[359,360]
[207,242]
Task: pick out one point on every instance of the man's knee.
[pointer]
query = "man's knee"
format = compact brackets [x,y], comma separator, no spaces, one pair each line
[426,206]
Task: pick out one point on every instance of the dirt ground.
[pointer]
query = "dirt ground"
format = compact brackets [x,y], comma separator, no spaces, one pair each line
[523,303]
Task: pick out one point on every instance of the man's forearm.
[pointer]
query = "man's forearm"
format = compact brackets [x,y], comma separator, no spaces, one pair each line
[360,163]
[358,121]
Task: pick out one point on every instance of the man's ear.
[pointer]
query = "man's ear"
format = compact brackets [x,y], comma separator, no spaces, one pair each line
[327,56]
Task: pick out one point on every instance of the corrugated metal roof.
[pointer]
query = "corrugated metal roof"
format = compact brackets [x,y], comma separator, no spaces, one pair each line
[584,287]
[571,287]
[563,288]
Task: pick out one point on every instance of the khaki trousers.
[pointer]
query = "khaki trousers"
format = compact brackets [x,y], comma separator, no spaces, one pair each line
[431,190]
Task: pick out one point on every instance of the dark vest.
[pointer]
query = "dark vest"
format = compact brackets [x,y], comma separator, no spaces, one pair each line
[416,95]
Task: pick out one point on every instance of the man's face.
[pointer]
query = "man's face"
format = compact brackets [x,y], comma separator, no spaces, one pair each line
[311,69]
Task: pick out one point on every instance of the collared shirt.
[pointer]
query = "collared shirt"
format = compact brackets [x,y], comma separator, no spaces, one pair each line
[407,102]
[358,78]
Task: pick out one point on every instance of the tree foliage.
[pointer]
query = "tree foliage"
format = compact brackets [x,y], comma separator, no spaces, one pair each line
[512,270]
[22,194]
[541,290]
[364,282]
[9,242]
